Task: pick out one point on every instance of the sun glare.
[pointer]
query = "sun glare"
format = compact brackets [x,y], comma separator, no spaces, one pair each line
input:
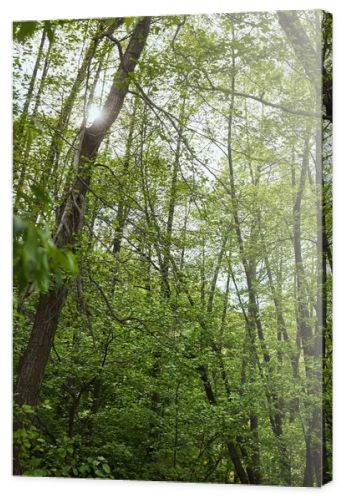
[94,113]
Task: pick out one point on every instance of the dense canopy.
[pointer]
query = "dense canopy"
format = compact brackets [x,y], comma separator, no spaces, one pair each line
[172,248]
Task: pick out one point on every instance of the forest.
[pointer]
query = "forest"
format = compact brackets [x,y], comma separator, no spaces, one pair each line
[172,248]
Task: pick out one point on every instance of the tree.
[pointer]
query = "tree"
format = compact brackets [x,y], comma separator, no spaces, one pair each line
[172,248]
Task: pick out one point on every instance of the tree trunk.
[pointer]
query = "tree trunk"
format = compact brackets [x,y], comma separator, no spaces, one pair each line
[35,357]
[254,325]
[19,133]
[63,120]
[305,333]
[28,142]
[302,46]
[29,94]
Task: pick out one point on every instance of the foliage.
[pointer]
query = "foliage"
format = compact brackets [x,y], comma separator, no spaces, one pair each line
[199,258]
[36,259]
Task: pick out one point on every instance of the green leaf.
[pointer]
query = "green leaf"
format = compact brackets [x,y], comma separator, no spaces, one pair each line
[24,30]
[128,22]
[106,468]
[109,22]
[40,194]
